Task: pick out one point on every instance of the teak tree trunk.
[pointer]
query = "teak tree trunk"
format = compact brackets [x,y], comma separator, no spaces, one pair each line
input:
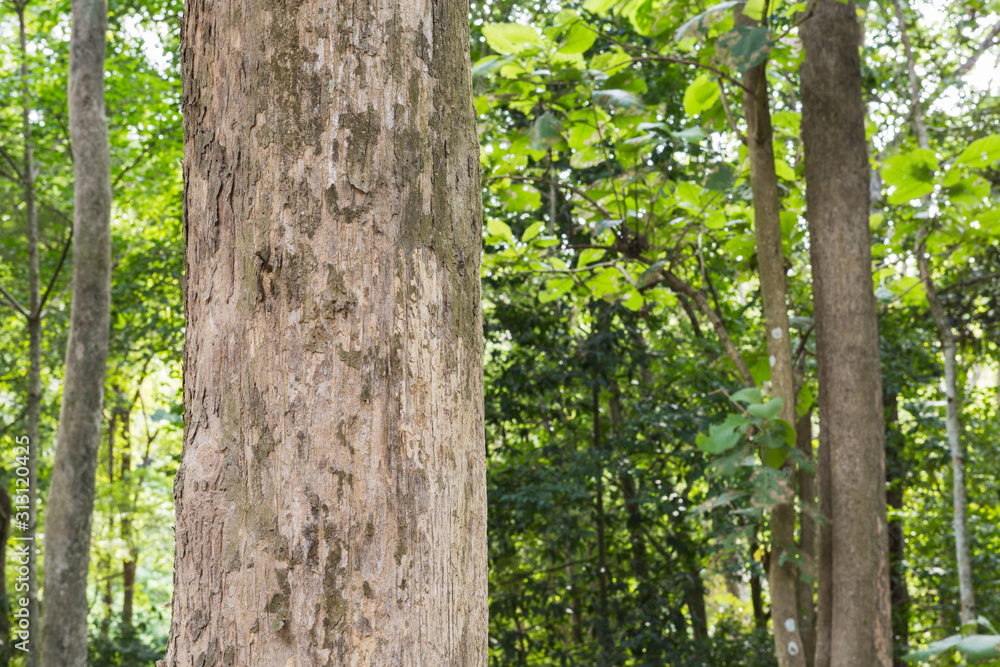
[854,624]
[71,499]
[781,576]
[331,500]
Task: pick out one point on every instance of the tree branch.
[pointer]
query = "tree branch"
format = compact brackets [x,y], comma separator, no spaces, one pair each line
[55,274]
[12,302]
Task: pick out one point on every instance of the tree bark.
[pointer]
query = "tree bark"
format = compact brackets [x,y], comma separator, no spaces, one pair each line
[895,476]
[807,539]
[6,647]
[949,348]
[850,395]
[782,577]
[953,431]
[71,499]
[331,499]
[34,320]
[128,566]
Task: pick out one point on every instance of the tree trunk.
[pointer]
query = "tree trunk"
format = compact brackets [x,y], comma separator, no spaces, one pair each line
[128,566]
[946,336]
[71,499]
[788,644]
[895,476]
[34,351]
[603,624]
[331,499]
[953,430]
[850,396]
[807,539]
[6,652]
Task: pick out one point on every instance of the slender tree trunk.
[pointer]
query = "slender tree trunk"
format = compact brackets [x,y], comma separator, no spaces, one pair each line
[604,620]
[895,475]
[847,343]
[71,499]
[953,430]
[757,596]
[128,566]
[331,499]
[34,350]
[6,647]
[788,643]
[953,427]
[807,539]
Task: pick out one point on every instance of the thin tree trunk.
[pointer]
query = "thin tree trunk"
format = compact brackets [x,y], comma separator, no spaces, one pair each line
[782,577]
[807,539]
[331,498]
[895,474]
[128,566]
[851,428]
[946,337]
[604,620]
[71,499]
[6,647]
[757,596]
[34,349]
[953,430]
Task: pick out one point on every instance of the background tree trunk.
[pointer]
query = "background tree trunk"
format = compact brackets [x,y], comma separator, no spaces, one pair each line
[847,343]
[71,499]
[34,320]
[807,538]
[6,646]
[895,477]
[781,577]
[331,500]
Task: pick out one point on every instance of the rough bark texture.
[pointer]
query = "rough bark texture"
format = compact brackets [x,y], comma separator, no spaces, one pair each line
[71,499]
[895,475]
[847,343]
[331,501]
[781,577]
[953,431]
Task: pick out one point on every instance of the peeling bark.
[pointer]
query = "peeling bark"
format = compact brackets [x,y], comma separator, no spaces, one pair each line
[331,500]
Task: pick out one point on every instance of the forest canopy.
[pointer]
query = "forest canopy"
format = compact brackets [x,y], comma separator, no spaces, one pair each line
[645,439]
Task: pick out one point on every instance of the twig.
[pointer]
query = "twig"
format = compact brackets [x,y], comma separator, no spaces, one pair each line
[55,274]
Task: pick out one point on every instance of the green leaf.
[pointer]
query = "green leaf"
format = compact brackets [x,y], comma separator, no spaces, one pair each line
[610,62]
[701,95]
[589,256]
[634,300]
[532,231]
[508,38]
[980,647]
[482,104]
[615,98]
[486,65]
[981,152]
[555,288]
[546,132]
[774,457]
[720,178]
[755,8]
[910,174]
[784,170]
[579,38]
[499,229]
[700,21]
[936,648]
[767,410]
[720,439]
[744,47]
[747,395]
[599,7]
